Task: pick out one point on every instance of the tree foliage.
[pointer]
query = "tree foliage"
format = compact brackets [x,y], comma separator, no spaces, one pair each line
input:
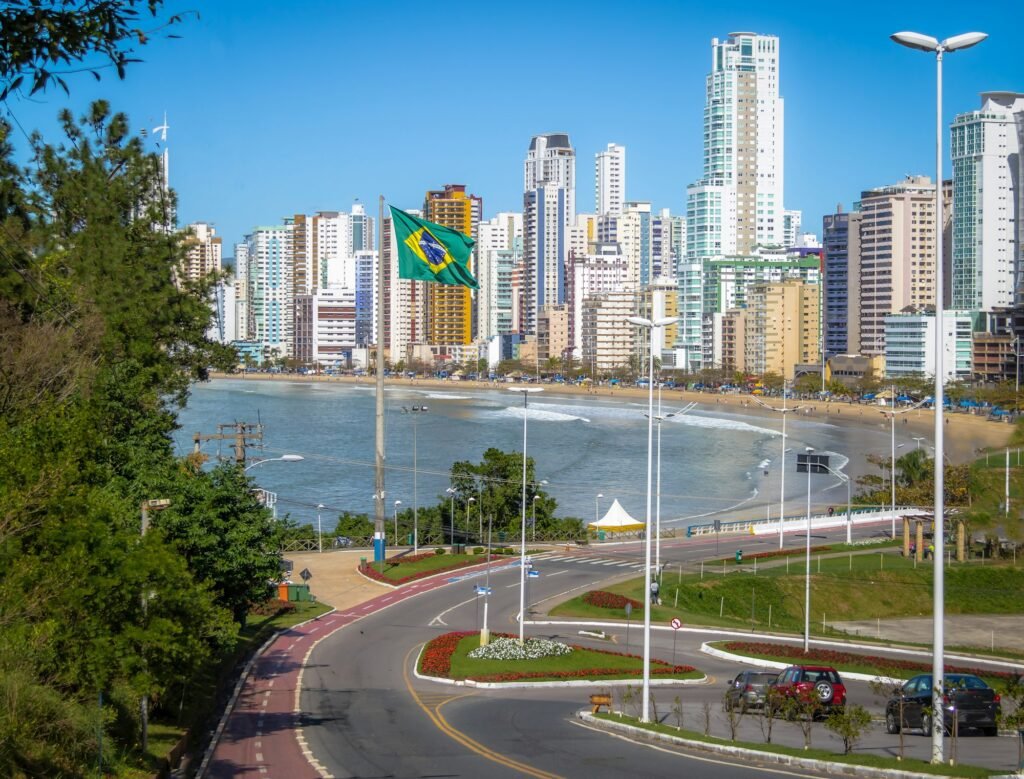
[42,41]
[99,342]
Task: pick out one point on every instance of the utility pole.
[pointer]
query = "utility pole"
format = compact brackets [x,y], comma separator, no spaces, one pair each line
[243,434]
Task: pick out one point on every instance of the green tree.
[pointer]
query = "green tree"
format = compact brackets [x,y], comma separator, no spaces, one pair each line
[41,40]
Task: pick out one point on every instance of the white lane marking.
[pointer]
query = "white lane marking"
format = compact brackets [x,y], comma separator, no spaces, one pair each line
[259,757]
[625,565]
[510,586]
[271,683]
[556,573]
[611,562]
[385,600]
[438,619]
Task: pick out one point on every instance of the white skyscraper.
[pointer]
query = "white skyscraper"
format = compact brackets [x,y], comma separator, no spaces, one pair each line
[988,204]
[610,180]
[549,208]
[737,204]
[271,297]
[496,239]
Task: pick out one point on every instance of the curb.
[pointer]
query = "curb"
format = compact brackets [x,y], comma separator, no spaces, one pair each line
[824,766]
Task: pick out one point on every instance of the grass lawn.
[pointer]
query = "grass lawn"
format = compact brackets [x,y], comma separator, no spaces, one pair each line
[575,664]
[854,587]
[397,569]
[874,761]
[870,665]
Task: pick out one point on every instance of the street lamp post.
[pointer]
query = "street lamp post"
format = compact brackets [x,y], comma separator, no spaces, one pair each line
[415,411]
[807,572]
[469,503]
[451,518]
[522,520]
[596,499]
[650,325]
[533,520]
[158,504]
[892,459]
[659,418]
[285,458]
[929,44]
[319,528]
[397,504]
[918,439]
[782,462]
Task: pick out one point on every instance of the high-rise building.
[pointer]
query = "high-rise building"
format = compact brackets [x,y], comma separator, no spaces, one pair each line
[782,328]
[610,180]
[403,300]
[736,205]
[841,289]
[449,307]
[499,244]
[896,265]
[271,291]
[603,269]
[202,251]
[549,208]
[987,148]
[791,222]
[910,345]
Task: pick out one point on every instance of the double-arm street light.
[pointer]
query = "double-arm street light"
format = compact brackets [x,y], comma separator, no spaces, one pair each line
[651,325]
[522,520]
[782,462]
[846,480]
[533,521]
[319,531]
[891,413]
[927,43]
[659,418]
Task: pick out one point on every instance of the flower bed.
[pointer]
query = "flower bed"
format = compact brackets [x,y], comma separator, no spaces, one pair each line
[838,659]
[609,600]
[436,660]
[782,553]
[511,649]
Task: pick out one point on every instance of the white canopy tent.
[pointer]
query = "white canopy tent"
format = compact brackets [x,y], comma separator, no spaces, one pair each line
[617,520]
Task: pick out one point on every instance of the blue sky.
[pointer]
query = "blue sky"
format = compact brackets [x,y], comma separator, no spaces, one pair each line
[279,108]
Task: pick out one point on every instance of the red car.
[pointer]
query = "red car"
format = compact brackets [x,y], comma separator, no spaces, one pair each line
[821,681]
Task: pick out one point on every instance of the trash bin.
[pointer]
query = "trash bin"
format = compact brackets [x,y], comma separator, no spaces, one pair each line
[600,535]
[409,540]
[739,555]
[362,562]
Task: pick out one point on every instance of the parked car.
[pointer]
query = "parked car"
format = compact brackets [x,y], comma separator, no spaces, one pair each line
[747,690]
[967,697]
[822,681]
[342,541]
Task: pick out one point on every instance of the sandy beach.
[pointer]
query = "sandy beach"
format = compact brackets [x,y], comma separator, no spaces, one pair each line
[966,433]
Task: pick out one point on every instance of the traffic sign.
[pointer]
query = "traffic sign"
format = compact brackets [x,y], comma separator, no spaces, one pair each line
[676,623]
[533,574]
[305,574]
[481,590]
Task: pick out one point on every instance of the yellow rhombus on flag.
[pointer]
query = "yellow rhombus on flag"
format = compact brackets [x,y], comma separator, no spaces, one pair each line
[431,252]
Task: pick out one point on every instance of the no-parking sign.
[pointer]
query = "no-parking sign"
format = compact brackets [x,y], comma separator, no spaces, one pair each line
[676,623]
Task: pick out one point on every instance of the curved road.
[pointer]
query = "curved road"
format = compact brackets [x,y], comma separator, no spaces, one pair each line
[365,715]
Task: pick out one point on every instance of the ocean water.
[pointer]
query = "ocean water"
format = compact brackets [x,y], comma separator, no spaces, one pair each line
[712,460]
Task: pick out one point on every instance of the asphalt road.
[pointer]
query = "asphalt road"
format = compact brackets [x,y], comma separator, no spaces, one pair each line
[364,714]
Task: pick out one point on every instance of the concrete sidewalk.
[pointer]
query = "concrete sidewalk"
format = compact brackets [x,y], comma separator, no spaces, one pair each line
[336,581]
[998,631]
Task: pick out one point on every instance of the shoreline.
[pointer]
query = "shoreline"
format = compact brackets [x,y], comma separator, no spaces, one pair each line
[965,432]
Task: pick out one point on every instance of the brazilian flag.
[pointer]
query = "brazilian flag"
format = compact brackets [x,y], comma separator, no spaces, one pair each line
[430,252]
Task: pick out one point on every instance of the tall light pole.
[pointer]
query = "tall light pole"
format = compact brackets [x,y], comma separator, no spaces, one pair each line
[158,504]
[650,325]
[929,44]
[782,461]
[919,439]
[659,418]
[397,504]
[415,411]
[891,413]
[807,572]
[469,503]
[596,499]
[319,528]
[522,520]
[533,520]
[451,517]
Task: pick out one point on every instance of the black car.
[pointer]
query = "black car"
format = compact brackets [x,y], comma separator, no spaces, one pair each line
[966,699]
[747,690]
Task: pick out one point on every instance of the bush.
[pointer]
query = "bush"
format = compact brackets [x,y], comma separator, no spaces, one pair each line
[478,550]
[439,551]
[272,608]
[609,600]
[850,724]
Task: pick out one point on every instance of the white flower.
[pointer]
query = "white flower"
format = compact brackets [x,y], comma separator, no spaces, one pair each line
[510,649]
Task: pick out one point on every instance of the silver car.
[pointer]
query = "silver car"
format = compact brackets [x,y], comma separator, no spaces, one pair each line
[747,690]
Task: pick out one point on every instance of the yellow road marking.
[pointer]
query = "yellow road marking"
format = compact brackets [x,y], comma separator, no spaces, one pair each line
[474,746]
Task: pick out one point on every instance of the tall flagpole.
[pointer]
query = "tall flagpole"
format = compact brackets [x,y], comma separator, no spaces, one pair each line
[378,495]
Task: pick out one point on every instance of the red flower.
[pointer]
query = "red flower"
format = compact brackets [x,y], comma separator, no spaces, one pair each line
[609,600]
